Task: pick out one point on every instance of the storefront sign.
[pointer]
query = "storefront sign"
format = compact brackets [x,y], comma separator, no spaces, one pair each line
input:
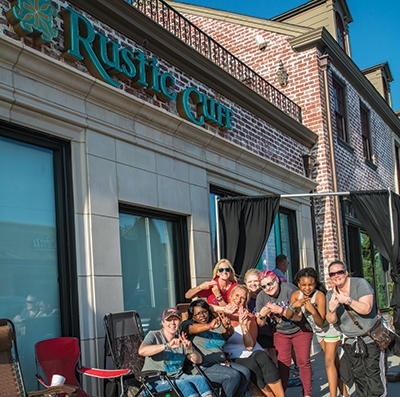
[107,60]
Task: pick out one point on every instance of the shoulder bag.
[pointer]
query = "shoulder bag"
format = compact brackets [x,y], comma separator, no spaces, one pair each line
[379,333]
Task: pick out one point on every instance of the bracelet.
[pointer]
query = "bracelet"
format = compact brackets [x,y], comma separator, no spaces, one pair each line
[210,326]
[292,308]
[262,317]
[166,345]
[332,311]
[349,301]
[190,351]
[218,298]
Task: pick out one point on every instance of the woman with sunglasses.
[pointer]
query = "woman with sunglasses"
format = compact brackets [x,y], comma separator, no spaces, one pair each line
[265,334]
[243,348]
[295,333]
[355,295]
[209,334]
[218,289]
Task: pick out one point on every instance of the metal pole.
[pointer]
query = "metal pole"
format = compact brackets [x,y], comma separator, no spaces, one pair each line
[391,216]
[315,194]
[217,228]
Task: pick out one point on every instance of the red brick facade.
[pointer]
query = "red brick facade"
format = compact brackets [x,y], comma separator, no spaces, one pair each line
[306,87]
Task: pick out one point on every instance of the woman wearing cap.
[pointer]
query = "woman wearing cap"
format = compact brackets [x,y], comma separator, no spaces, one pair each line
[218,289]
[166,350]
[209,334]
[295,333]
[243,348]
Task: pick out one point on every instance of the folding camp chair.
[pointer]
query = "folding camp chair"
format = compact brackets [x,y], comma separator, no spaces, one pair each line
[124,334]
[60,356]
[11,381]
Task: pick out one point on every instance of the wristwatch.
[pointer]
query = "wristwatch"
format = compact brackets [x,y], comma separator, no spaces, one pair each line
[349,301]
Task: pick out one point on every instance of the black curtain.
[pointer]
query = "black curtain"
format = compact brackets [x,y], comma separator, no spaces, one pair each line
[244,227]
[372,209]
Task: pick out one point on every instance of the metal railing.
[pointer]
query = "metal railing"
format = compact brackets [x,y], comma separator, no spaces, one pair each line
[175,23]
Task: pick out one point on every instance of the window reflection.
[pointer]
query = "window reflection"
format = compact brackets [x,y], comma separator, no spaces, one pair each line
[28,249]
[147,255]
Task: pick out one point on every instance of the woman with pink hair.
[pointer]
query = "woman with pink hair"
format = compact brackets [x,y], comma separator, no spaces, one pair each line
[274,303]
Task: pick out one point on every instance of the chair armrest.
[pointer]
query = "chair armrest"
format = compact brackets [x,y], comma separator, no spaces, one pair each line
[145,375]
[104,373]
[53,390]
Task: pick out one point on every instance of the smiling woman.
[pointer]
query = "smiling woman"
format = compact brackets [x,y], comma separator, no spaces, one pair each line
[244,349]
[274,304]
[218,289]
[353,298]
[166,350]
[208,334]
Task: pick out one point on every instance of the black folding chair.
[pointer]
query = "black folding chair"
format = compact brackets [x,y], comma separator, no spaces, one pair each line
[124,334]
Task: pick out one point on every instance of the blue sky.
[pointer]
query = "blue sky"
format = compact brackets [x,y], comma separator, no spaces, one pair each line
[374,32]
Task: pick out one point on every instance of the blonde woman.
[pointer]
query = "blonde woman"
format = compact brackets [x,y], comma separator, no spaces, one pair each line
[266,333]
[218,289]
[243,348]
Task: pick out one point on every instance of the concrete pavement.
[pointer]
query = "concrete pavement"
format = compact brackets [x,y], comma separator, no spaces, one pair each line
[320,384]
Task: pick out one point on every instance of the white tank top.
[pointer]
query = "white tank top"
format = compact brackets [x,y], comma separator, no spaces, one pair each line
[235,347]
[309,317]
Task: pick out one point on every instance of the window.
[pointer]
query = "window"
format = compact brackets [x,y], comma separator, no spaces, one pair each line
[340,31]
[397,156]
[340,111]
[363,258]
[365,133]
[375,270]
[36,262]
[154,262]
[385,86]
[282,239]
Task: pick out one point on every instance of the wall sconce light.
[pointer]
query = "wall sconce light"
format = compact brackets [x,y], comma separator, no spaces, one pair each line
[261,42]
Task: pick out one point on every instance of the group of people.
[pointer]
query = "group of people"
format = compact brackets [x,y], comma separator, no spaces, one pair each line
[252,332]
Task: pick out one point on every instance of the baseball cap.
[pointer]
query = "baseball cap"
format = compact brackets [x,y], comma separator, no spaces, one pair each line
[171,311]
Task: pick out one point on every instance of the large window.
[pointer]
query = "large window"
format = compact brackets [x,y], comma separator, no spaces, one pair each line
[282,239]
[154,262]
[340,110]
[35,256]
[365,133]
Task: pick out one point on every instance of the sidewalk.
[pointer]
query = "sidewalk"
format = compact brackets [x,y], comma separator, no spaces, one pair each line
[320,384]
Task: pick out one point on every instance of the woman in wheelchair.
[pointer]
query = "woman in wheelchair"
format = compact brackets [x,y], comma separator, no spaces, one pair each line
[166,350]
[244,349]
[208,334]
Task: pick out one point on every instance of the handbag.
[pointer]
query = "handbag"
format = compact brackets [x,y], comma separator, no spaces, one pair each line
[379,333]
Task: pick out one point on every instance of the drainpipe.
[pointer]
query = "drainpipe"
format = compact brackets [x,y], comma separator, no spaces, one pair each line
[324,62]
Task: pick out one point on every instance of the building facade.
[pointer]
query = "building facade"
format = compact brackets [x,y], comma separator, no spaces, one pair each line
[306,53]
[116,134]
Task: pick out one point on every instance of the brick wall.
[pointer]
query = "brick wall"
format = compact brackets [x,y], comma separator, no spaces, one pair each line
[306,88]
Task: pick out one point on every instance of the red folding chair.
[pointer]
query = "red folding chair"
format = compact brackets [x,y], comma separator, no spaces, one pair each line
[60,356]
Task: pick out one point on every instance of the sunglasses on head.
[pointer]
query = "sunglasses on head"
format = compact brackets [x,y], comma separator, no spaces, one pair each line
[270,284]
[338,273]
[224,269]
